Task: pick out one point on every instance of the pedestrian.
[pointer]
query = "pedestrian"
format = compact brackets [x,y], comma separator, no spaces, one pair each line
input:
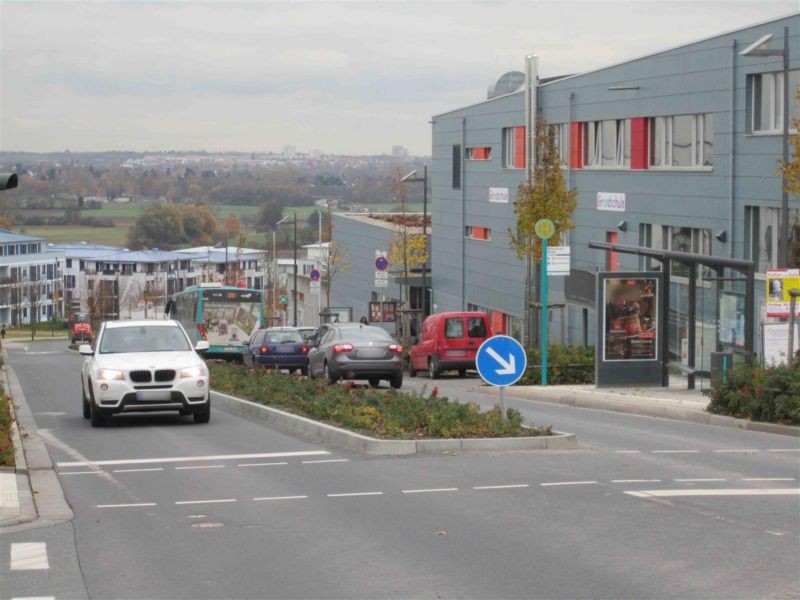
[363,321]
[3,332]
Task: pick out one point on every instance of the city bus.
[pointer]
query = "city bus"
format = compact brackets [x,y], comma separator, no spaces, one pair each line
[223,316]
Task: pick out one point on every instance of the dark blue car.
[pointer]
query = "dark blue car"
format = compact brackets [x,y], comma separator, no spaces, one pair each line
[279,347]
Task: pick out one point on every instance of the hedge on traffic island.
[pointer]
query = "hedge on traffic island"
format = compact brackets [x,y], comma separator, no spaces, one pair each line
[6,443]
[566,364]
[753,391]
[383,413]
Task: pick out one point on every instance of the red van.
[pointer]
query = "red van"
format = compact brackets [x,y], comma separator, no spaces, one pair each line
[449,341]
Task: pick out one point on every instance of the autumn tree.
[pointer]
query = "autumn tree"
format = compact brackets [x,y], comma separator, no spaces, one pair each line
[546,197]
[791,171]
[268,216]
[233,227]
[169,226]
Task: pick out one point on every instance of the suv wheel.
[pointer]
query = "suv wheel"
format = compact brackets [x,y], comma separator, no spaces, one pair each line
[87,409]
[204,416]
[330,377]
[98,419]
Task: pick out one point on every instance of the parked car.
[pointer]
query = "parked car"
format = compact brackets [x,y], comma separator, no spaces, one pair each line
[307,332]
[355,351]
[144,366]
[449,341]
[281,347]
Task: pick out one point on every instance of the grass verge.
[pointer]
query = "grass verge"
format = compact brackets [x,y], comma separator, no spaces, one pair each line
[386,414]
[6,444]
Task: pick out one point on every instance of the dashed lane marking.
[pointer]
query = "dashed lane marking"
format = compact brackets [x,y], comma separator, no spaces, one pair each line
[567,483]
[744,451]
[635,481]
[40,597]
[182,459]
[676,451]
[266,498]
[96,472]
[269,464]
[501,487]
[31,556]
[355,494]
[784,450]
[138,470]
[429,491]
[717,492]
[331,460]
[220,501]
[768,479]
[700,480]
[136,505]
[200,467]
[627,451]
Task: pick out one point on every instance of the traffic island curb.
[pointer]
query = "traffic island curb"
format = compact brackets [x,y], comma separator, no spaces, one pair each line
[641,407]
[336,436]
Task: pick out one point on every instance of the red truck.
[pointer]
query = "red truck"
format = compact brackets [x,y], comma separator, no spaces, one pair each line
[80,328]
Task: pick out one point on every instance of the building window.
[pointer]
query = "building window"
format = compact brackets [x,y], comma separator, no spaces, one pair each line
[561,134]
[23,249]
[477,233]
[681,141]
[457,167]
[69,263]
[607,143]
[484,153]
[682,239]
[11,250]
[514,148]
[766,101]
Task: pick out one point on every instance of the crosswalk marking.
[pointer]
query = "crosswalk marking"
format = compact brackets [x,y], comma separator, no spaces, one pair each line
[29,556]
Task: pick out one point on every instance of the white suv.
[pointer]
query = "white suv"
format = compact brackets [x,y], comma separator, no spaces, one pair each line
[141,366]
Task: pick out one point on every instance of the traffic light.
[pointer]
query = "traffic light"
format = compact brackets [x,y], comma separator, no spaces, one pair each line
[8,181]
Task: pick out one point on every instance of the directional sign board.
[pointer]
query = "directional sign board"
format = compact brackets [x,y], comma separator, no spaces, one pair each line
[501,361]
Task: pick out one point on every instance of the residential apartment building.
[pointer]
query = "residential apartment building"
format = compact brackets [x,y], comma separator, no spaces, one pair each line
[676,150]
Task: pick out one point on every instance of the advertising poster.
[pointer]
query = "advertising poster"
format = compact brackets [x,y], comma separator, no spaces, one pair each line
[779,282]
[631,319]
[230,317]
[375,312]
[389,309]
[775,342]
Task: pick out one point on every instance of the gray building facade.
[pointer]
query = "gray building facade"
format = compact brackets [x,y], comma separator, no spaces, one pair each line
[676,150]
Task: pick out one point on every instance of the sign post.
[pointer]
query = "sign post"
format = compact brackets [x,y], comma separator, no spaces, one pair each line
[501,361]
[544,229]
[381,266]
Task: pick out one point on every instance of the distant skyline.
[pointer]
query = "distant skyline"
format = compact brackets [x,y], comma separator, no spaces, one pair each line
[343,77]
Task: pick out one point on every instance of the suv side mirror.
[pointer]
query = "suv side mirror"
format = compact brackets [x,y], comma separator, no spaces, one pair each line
[85,349]
[202,346]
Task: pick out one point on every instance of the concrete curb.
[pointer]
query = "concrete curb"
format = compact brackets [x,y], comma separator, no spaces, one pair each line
[41,497]
[349,440]
[639,406]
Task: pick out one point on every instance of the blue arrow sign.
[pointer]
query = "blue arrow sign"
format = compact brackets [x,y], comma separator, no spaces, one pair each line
[501,360]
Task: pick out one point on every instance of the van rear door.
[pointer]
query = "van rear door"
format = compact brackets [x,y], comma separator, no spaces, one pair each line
[454,339]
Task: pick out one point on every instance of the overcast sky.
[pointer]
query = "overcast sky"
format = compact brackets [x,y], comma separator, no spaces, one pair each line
[342,77]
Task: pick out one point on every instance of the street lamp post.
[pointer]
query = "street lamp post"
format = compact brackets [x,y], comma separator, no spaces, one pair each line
[757,49]
[412,177]
[294,284]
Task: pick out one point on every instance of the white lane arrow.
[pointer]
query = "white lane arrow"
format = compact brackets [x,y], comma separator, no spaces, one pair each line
[509,367]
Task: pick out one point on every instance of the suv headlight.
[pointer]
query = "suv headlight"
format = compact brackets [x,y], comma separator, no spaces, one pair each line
[110,374]
[195,371]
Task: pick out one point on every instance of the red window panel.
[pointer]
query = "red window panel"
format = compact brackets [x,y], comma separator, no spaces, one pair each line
[519,147]
[575,146]
[639,143]
[498,322]
[480,153]
[612,260]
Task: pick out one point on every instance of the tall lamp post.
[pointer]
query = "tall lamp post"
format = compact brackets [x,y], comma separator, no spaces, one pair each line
[412,177]
[758,48]
[294,284]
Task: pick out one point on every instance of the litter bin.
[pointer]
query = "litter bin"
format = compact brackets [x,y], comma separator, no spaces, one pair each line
[721,363]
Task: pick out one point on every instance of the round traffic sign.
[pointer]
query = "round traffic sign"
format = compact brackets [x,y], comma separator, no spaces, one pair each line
[381,263]
[545,229]
[501,360]
[314,275]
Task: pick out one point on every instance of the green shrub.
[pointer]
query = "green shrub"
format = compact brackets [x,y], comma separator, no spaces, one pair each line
[566,363]
[6,445]
[380,413]
[760,393]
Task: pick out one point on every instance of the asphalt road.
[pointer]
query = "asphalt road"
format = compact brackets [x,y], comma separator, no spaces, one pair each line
[165,508]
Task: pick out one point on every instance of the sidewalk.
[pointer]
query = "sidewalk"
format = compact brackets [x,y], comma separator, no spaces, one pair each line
[675,402]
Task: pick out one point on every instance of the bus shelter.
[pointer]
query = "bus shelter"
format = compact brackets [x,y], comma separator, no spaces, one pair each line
[720,318]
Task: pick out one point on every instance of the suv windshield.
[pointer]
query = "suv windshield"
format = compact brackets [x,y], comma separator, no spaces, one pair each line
[141,338]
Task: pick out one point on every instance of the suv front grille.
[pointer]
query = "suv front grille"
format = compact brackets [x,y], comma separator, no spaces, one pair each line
[141,376]
[165,375]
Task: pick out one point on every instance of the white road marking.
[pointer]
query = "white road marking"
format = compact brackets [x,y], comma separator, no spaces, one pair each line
[676,451]
[700,480]
[736,451]
[719,492]
[138,470]
[35,598]
[280,498]
[568,483]
[635,480]
[96,472]
[627,451]
[262,464]
[775,532]
[784,450]
[332,460]
[207,501]
[201,467]
[430,491]
[768,479]
[180,459]
[29,557]
[355,494]
[501,487]
[126,505]
[50,414]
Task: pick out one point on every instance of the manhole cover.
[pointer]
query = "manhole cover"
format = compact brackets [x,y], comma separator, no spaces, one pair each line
[206,525]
